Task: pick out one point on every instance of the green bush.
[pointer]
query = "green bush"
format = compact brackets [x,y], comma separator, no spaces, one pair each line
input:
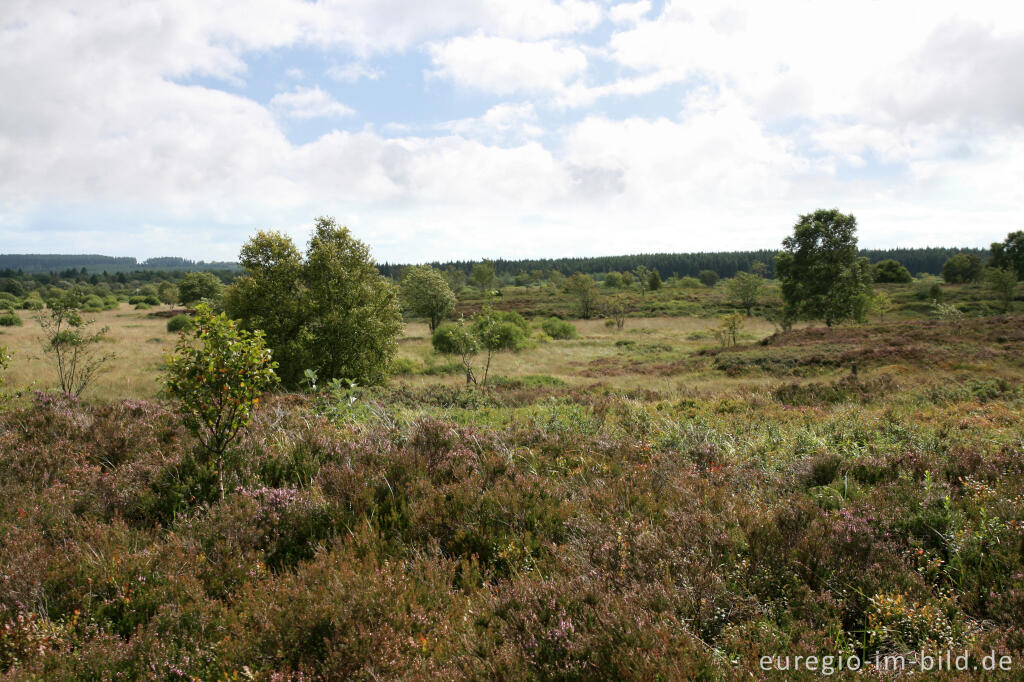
[32,304]
[559,329]
[512,317]
[180,323]
[218,375]
[690,282]
[403,366]
[11,319]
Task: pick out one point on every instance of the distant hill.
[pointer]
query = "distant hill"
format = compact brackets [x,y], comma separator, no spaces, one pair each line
[725,263]
[94,263]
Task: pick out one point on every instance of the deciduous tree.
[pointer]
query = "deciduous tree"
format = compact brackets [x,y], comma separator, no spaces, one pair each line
[820,273]
[427,294]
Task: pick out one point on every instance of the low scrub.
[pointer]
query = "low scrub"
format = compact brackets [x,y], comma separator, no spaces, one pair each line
[559,329]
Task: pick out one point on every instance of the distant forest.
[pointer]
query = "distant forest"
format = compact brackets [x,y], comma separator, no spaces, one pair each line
[30,263]
[725,263]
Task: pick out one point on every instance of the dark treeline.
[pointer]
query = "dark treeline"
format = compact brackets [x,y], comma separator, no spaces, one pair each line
[84,276]
[56,263]
[725,263]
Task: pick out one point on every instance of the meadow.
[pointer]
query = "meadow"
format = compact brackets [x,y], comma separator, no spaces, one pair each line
[640,503]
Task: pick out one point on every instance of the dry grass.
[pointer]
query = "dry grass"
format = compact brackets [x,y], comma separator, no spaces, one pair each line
[139,342]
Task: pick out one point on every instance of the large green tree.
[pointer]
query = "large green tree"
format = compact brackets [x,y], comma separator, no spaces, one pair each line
[330,311]
[1009,253]
[963,267]
[427,294]
[821,276]
[197,286]
[272,296]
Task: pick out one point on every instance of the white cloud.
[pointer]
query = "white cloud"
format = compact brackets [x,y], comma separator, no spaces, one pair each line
[353,72]
[773,119]
[629,12]
[501,123]
[305,103]
[504,66]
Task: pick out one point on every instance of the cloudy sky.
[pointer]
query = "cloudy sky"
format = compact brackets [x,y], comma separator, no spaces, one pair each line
[441,129]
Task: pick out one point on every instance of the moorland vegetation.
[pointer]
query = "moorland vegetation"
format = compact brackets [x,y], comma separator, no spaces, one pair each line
[612,477]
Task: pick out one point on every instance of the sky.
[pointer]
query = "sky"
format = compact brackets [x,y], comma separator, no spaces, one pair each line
[462,129]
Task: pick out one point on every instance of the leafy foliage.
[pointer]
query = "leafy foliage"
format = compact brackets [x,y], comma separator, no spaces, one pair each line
[821,275]
[559,329]
[489,331]
[426,292]
[583,289]
[483,276]
[330,311]
[195,287]
[180,323]
[890,271]
[1009,254]
[708,278]
[217,374]
[1003,283]
[67,337]
[11,319]
[962,268]
[745,290]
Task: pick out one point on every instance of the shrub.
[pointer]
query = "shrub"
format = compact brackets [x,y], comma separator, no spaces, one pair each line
[67,338]
[180,323]
[708,278]
[11,319]
[92,304]
[218,373]
[890,271]
[560,329]
[487,331]
[691,282]
[403,366]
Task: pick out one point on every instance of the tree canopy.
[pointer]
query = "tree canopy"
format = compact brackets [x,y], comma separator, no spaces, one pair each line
[330,311]
[890,271]
[426,293]
[1009,253]
[962,268]
[821,276]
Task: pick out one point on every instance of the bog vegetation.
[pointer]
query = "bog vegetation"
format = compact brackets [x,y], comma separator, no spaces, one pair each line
[308,470]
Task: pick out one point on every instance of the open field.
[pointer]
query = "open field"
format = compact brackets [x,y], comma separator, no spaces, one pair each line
[662,332]
[141,341]
[635,504]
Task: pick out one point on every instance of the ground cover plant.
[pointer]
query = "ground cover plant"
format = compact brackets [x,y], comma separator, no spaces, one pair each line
[535,529]
[674,497]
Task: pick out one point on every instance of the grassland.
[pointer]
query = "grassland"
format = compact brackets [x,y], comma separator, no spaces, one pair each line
[636,504]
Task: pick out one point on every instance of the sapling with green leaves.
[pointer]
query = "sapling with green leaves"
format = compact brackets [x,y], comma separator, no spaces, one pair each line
[218,373]
[67,338]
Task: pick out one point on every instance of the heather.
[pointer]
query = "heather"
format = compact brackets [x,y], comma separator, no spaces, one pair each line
[533,529]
